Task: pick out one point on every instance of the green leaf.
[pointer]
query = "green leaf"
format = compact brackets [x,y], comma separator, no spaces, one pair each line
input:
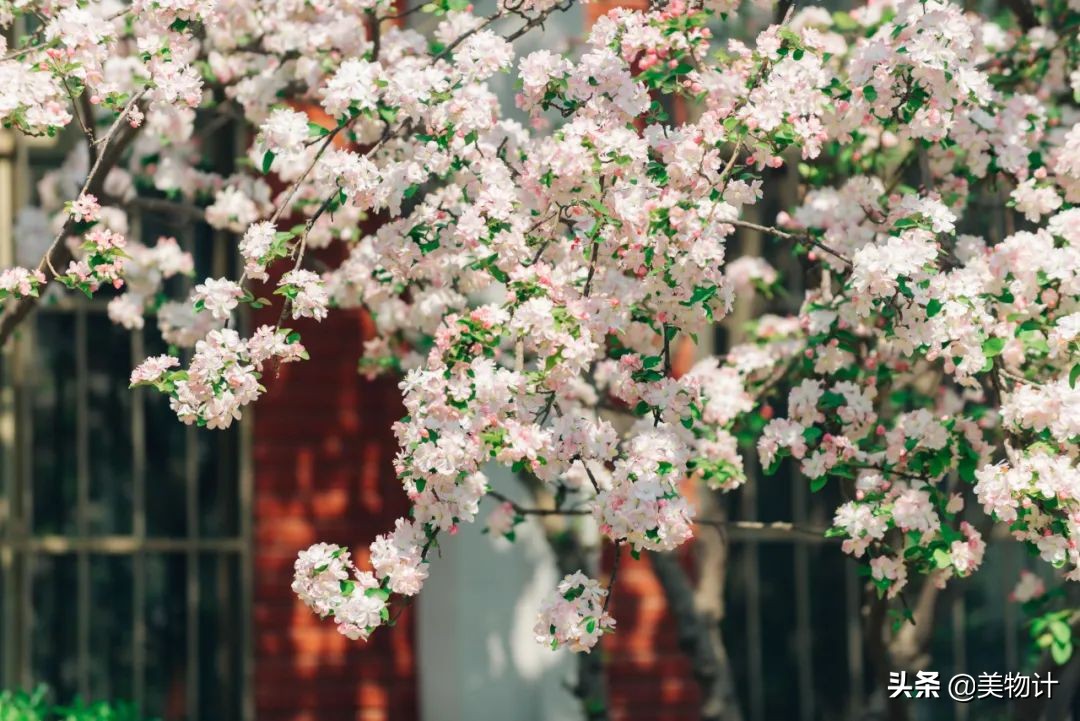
[844,22]
[1061,654]
[1060,631]
[816,484]
[267,161]
[1073,375]
[380,593]
[933,307]
[992,347]
[1034,340]
[966,468]
[831,399]
[389,115]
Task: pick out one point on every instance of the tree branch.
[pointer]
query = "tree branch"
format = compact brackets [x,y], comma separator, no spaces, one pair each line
[59,255]
[1024,12]
[784,235]
[694,636]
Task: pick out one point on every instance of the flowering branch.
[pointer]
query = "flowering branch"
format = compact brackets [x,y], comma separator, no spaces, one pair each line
[526,281]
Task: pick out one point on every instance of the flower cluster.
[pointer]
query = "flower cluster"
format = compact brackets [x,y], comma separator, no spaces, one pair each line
[103,262]
[306,292]
[643,505]
[1038,495]
[575,616]
[20,283]
[145,272]
[218,296]
[328,583]
[223,375]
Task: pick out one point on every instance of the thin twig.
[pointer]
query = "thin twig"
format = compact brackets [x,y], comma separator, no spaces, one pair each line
[95,179]
[783,234]
[525,511]
[614,575]
[46,260]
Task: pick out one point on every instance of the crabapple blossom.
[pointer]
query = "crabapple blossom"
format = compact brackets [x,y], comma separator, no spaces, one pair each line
[326,580]
[914,334]
[102,262]
[223,375]
[780,434]
[218,296]
[20,282]
[891,572]
[285,131]
[85,209]
[256,247]
[145,271]
[575,615]
[398,558]
[306,291]
[501,520]
[1028,587]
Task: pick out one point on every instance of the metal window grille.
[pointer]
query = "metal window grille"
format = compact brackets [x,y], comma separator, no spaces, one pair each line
[796,634]
[125,561]
[794,601]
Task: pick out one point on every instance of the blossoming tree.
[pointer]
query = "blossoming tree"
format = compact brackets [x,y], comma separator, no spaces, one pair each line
[529,283]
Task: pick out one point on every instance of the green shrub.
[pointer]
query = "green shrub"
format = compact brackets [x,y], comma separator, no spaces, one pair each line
[23,706]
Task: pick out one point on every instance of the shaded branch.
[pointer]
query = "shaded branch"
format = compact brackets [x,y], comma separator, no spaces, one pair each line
[694,638]
[59,255]
[740,530]
[1024,12]
[785,235]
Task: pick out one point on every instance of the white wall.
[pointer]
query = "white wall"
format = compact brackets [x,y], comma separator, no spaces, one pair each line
[478,658]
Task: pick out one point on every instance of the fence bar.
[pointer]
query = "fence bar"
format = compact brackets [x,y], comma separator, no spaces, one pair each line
[1012,565]
[82,480]
[755,665]
[8,414]
[138,524]
[247,544]
[804,639]
[24,492]
[959,649]
[853,606]
[192,586]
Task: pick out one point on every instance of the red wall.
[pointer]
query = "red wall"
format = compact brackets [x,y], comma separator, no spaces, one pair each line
[322,465]
[649,678]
